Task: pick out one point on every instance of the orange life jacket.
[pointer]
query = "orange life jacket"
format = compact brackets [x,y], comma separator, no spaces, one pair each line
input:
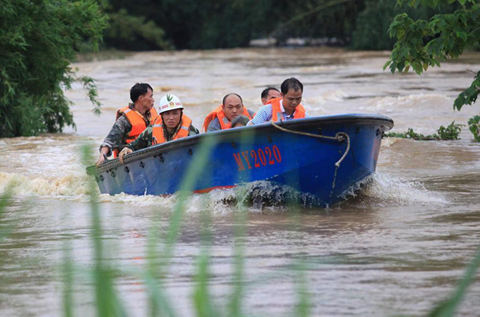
[158,136]
[277,110]
[220,115]
[136,120]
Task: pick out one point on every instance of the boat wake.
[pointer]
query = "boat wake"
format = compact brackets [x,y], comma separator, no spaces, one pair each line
[383,189]
[68,186]
[377,190]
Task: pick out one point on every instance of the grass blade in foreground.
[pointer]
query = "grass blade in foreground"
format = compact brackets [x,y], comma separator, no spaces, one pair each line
[447,307]
[157,269]
[107,300]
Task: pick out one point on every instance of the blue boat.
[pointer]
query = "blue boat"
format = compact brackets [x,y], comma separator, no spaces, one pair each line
[318,157]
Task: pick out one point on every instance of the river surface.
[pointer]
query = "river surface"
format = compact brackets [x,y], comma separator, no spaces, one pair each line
[398,247]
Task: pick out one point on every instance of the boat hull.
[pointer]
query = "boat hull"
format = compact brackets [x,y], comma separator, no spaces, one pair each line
[229,158]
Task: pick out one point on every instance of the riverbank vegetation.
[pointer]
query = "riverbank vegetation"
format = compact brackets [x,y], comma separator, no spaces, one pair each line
[423,43]
[187,24]
[40,40]
[450,132]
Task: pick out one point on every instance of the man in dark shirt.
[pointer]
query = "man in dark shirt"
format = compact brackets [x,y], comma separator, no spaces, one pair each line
[131,121]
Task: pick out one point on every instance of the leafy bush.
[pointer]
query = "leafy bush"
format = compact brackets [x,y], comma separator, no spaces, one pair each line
[373,23]
[451,132]
[38,40]
[474,126]
[420,43]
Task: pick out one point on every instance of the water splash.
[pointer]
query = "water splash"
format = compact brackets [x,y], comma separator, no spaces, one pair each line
[388,189]
[66,186]
[380,189]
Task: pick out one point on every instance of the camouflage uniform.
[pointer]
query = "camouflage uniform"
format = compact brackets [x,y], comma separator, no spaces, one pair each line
[116,138]
[145,139]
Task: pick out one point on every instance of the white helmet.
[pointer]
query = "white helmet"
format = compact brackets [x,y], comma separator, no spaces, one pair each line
[169,102]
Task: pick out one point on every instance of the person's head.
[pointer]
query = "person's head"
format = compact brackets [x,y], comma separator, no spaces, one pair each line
[269,93]
[171,110]
[232,105]
[141,95]
[240,121]
[292,90]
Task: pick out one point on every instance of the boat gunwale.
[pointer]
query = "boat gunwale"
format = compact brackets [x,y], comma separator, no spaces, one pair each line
[358,119]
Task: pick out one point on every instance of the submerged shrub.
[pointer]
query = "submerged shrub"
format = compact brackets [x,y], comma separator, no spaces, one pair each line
[451,132]
[474,127]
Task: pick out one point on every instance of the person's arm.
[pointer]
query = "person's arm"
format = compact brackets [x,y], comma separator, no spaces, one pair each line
[264,114]
[104,152]
[115,138]
[214,125]
[143,140]
[192,130]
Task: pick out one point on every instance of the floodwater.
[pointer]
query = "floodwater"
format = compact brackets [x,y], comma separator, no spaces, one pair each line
[398,247]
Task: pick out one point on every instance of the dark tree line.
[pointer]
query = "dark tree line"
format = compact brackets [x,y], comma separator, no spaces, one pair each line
[206,24]
[192,24]
[40,38]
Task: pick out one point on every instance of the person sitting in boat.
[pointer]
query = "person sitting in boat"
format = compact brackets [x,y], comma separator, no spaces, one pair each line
[171,124]
[268,94]
[221,118]
[286,107]
[131,120]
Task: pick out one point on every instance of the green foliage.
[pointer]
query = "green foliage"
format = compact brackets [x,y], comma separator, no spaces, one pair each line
[469,95]
[474,126]
[451,132]
[330,19]
[371,31]
[89,85]
[410,134]
[211,23]
[424,43]
[191,24]
[134,33]
[372,25]
[420,44]
[106,297]
[5,198]
[38,40]
[447,307]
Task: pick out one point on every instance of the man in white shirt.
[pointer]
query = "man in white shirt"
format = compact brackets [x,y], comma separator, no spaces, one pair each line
[286,107]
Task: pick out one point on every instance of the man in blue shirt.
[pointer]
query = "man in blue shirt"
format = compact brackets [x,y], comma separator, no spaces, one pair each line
[286,107]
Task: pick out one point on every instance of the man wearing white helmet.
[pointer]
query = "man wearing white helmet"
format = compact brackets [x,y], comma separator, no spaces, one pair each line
[170,125]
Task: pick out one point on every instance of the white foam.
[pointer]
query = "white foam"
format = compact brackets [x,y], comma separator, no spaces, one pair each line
[68,185]
[380,188]
[388,188]
[409,102]
[167,201]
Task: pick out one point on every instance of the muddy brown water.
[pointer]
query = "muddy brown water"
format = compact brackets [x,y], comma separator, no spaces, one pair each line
[398,247]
